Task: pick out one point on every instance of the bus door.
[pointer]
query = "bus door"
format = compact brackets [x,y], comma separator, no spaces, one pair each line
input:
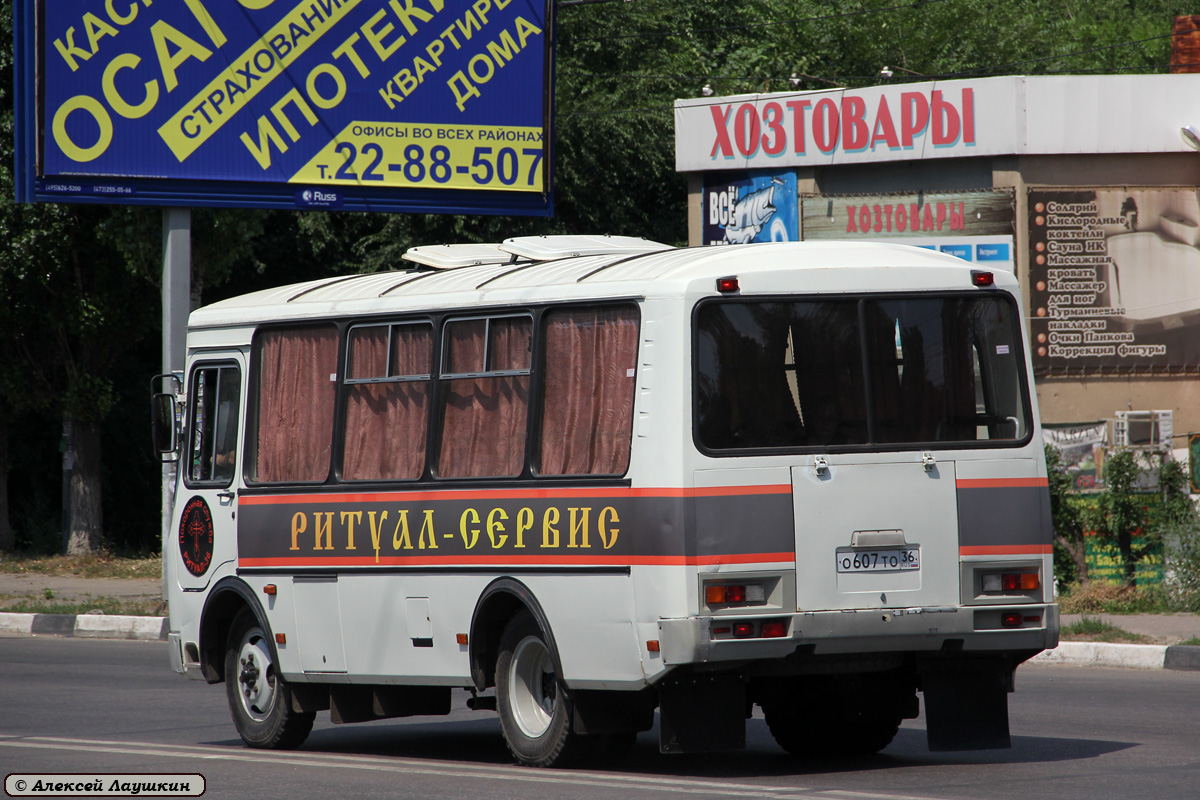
[206,497]
[881,535]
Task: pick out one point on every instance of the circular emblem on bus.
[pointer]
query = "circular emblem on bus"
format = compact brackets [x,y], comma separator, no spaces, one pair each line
[196,536]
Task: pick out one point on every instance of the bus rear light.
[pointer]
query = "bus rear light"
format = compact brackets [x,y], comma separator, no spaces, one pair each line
[728,285]
[1010,582]
[982,278]
[715,594]
[1011,619]
[743,630]
[722,629]
[774,629]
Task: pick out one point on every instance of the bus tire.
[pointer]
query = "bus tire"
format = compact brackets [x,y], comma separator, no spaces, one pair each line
[534,706]
[259,700]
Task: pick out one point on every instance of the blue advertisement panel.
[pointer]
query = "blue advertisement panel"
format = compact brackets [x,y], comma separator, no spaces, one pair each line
[419,105]
[751,207]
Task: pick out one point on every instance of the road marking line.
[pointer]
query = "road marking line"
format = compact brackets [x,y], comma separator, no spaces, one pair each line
[442,769]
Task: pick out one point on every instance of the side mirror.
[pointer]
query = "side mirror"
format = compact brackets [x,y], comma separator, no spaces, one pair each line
[163,430]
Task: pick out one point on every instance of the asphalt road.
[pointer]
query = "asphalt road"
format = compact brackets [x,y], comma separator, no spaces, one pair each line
[80,706]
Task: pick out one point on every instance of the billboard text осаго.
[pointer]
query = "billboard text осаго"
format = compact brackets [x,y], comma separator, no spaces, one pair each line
[340,97]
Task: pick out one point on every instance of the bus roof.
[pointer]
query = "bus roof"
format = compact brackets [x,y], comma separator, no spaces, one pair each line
[658,273]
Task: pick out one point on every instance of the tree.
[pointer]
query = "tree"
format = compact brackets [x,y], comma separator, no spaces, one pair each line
[1121,512]
[1067,518]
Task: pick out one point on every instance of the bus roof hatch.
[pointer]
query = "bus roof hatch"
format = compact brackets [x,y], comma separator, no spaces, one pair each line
[548,248]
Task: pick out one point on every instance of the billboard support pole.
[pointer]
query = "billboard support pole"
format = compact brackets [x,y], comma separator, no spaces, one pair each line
[176,304]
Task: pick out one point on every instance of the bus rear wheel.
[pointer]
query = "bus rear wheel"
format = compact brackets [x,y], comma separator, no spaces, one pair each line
[259,700]
[534,706]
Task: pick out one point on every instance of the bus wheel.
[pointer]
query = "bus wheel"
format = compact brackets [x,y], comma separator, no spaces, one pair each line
[535,713]
[258,697]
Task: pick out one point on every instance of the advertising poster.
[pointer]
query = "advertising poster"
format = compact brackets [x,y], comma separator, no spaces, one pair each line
[916,215]
[755,207]
[306,103]
[1115,281]
[1081,451]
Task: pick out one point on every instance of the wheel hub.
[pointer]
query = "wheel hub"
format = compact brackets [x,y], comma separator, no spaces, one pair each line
[533,687]
[257,684]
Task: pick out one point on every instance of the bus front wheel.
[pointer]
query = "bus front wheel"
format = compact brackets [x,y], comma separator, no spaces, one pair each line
[534,706]
[258,697]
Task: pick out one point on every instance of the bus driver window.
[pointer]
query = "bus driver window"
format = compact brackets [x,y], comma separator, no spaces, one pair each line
[212,440]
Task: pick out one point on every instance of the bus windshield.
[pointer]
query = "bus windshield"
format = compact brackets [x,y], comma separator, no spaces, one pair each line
[881,371]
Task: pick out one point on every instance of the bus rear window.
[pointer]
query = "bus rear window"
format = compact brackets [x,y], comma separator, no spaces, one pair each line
[890,371]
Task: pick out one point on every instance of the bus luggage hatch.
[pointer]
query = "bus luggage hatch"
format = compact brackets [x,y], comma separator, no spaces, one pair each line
[876,535]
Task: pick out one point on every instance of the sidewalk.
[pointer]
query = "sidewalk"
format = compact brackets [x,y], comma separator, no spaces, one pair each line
[1165,630]
[70,589]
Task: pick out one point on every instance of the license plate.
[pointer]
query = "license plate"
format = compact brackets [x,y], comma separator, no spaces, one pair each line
[894,560]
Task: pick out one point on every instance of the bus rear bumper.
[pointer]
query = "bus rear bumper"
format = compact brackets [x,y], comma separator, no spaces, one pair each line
[711,640]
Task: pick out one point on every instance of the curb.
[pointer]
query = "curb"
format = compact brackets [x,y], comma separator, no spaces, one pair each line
[1126,656]
[88,626]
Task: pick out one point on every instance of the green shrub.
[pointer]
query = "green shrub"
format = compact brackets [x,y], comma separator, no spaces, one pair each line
[1099,597]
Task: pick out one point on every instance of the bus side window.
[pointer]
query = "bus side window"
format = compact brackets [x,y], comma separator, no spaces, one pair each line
[485,396]
[387,401]
[296,370]
[587,402]
[212,439]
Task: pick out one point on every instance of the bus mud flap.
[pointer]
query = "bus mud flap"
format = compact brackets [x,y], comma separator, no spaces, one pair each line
[702,713]
[966,703]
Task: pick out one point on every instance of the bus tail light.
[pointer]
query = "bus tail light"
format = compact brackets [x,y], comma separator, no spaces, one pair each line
[1010,582]
[1011,619]
[719,593]
[743,630]
[774,628]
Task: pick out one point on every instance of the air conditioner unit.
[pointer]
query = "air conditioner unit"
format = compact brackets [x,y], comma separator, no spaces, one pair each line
[1144,430]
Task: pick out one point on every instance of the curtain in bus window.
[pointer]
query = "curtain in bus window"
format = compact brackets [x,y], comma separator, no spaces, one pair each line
[484,416]
[295,403]
[745,379]
[829,373]
[386,422]
[936,398]
[587,407]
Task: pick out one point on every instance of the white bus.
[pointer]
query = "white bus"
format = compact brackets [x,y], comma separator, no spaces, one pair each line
[586,479]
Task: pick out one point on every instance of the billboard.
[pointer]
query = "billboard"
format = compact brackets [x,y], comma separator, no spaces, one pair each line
[753,207]
[439,106]
[1115,281]
[973,117]
[919,214]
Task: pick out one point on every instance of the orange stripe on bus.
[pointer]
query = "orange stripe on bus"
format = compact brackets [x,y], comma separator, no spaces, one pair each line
[1000,483]
[510,494]
[1007,550]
